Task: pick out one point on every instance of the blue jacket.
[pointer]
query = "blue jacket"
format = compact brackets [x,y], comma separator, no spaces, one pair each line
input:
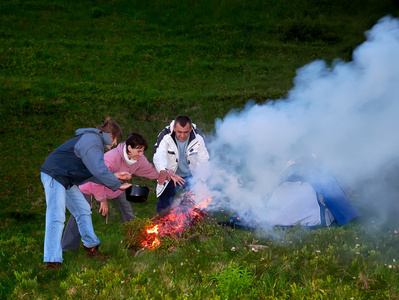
[81,159]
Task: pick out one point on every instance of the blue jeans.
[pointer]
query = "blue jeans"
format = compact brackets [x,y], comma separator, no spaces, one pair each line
[168,195]
[57,198]
[71,238]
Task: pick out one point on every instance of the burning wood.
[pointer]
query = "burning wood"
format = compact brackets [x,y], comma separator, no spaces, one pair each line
[171,223]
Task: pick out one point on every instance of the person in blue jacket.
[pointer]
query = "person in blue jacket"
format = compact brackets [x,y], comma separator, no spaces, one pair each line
[77,161]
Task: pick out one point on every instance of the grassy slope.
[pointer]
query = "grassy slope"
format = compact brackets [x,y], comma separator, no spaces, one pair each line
[65,65]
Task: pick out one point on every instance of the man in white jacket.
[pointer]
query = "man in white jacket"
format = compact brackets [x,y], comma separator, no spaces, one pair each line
[180,149]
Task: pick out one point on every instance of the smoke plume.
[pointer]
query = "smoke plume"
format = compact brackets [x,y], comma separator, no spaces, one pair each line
[346,114]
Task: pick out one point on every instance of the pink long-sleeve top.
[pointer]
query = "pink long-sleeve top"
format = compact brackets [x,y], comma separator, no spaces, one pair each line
[116,161]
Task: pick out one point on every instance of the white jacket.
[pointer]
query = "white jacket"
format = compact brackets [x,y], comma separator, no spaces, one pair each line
[166,152]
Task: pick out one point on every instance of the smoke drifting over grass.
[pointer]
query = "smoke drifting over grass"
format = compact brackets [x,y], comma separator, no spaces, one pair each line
[347,114]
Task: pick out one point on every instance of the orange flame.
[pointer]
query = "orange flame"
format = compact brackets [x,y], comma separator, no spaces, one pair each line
[152,234]
[204,203]
[174,223]
[153,230]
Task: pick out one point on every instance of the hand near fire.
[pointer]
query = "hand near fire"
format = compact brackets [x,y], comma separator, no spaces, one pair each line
[170,175]
[177,179]
[163,175]
[123,175]
[124,186]
[103,208]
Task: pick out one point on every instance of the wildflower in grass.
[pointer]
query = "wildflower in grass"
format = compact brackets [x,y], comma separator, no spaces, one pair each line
[233,249]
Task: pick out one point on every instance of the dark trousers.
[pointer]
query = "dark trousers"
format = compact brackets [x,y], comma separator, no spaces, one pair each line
[168,195]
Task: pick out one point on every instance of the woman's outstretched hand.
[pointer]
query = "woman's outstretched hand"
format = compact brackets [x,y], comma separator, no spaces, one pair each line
[123,175]
[163,175]
[124,186]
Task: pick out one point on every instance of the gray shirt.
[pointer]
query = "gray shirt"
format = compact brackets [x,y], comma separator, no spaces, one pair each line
[182,170]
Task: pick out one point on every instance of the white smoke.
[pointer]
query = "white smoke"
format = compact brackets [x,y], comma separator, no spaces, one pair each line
[347,113]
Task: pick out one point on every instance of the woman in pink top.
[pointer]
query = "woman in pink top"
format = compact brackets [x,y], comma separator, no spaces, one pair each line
[126,157]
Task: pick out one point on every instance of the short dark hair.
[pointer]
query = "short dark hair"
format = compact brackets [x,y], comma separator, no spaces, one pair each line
[136,140]
[111,127]
[183,120]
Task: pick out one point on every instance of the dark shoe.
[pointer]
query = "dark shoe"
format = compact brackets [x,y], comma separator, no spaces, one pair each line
[54,265]
[93,252]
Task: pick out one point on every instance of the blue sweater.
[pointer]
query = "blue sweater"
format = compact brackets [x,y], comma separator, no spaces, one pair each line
[81,159]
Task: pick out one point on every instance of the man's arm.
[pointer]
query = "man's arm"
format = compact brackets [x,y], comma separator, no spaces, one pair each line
[203,154]
[160,158]
[94,162]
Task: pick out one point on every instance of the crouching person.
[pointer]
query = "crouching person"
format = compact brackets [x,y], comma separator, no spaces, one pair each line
[180,150]
[127,157]
[76,161]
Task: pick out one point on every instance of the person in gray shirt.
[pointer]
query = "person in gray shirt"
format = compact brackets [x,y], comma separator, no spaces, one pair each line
[179,150]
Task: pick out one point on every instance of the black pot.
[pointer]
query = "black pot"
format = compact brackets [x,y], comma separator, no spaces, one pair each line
[137,193]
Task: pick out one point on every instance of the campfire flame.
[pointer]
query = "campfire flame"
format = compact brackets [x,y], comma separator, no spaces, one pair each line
[153,234]
[204,203]
[175,221]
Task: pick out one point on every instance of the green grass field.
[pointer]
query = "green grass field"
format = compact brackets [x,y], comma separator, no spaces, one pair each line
[68,64]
